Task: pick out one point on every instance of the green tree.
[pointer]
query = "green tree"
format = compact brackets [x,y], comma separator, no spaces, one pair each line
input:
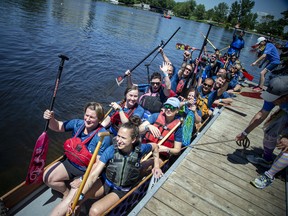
[199,12]
[221,12]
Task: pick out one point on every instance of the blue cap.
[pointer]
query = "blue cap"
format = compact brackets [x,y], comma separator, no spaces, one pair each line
[173,101]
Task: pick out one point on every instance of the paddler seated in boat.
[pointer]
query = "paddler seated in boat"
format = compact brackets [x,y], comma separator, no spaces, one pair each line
[211,68]
[189,105]
[159,124]
[124,110]
[207,95]
[78,149]
[155,94]
[234,85]
[225,98]
[116,177]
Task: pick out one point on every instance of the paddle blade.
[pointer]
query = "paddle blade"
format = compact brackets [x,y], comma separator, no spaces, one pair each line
[251,94]
[119,80]
[248,76]
[38,160]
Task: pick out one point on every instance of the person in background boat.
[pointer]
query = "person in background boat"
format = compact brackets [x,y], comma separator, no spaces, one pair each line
[84,132]
[274,128]
[237,44]
[224,58]
[115,182]
[234,85]
[189,104]
[155,94]
[271,55]
[159,124]
[124,110]
[211,69]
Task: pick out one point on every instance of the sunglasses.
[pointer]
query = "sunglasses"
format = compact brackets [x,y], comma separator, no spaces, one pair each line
[155,83]
[168,106]
[205,84]
[213,56]
[188,69]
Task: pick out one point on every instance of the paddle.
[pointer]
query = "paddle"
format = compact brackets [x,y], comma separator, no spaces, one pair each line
[37,163]
[164,139]
[208,40]
[256,95]
[247,75]
[192,76]
[185,47]
[88,170]
[224,48]
[164,45]
[120,79]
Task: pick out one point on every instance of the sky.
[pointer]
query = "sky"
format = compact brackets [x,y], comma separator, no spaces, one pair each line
[272,7]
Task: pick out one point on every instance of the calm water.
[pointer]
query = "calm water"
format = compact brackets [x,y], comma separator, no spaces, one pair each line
[102,41]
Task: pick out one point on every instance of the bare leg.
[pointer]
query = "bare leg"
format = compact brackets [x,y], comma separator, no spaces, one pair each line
[99,207]
[55,177]
[262,77]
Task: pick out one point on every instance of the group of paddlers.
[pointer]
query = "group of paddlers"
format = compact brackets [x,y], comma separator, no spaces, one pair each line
[133,127]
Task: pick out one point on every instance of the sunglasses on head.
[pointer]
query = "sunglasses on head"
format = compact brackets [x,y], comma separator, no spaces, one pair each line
[168,106]
[205,84]
[155,83]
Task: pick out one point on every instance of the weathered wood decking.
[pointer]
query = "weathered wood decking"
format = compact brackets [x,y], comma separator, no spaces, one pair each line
[214,176]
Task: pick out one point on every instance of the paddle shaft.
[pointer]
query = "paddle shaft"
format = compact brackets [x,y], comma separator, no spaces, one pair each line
[209,41]
[192,76]
[88,170]
[60,69]
[163,140]
[165,44]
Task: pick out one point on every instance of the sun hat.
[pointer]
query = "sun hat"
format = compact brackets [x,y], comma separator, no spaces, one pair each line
[278,86]
[173,101]
[260,39]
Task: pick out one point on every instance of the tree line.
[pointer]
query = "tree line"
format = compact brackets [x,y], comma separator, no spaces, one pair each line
[223,15]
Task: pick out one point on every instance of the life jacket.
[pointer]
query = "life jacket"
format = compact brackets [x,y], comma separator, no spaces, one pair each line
[116,120]
[180,86]
[202,104]
[123,170]
[164,130]
[152,101]
[76,150]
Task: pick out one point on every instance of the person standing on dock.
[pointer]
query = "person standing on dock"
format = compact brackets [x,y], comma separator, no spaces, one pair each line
[270,54]
[274,128]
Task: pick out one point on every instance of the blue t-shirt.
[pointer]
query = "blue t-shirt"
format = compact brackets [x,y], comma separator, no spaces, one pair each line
[174,79]
[268,106]
[211,96]
[177,135]
[108,154]
[272,54]
[234,81]
[224,95]
[210,72]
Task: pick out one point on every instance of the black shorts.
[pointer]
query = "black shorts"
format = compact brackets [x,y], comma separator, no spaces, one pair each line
[108,189]
[72,170]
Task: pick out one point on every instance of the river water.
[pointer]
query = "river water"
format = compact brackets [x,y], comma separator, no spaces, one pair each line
[102,41]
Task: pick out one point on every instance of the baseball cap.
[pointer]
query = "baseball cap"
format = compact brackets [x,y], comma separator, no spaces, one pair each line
[260,39]
[277,87]
[173,101]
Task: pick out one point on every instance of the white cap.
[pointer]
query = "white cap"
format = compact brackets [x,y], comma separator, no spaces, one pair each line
[260,39]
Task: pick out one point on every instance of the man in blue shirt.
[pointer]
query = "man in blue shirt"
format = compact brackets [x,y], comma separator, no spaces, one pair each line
[271,55]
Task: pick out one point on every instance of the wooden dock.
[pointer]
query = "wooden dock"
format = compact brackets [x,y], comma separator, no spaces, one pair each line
[213,177]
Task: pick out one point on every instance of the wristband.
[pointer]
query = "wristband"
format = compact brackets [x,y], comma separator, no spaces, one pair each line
[81,197]
[120,109]
[166,75]
[81,178]
[245,133]
[220,101]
